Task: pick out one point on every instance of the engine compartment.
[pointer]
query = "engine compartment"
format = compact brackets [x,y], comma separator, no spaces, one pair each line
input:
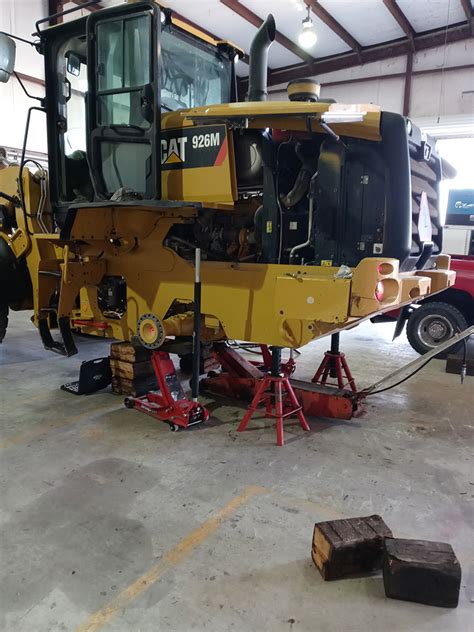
[316,199]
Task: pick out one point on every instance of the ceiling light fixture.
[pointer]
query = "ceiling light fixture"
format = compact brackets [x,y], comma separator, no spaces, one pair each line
[307,38]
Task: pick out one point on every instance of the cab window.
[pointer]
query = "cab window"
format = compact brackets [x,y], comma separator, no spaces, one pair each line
[192,75]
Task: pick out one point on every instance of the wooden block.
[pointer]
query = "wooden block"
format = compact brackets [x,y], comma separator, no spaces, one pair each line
[130,370]
[349,546]
[136,387]
[421,571]
[127,352]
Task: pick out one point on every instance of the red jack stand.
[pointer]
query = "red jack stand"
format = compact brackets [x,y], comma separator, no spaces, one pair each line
[170,404]
[334,365]
[274,397]
[287,368]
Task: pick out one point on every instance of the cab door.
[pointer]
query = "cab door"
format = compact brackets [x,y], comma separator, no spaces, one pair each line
[123,101]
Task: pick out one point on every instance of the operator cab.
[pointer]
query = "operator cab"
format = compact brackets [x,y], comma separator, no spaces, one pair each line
[101,115]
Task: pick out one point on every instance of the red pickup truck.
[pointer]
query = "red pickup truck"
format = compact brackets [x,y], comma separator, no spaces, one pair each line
[439,317]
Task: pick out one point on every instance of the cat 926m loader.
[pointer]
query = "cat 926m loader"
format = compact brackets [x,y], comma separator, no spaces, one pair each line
[310,215]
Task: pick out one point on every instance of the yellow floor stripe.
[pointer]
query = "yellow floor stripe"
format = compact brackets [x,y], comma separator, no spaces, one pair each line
[178,553]
[39,429]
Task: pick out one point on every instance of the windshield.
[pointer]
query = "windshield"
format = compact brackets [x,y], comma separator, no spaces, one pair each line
[192,76]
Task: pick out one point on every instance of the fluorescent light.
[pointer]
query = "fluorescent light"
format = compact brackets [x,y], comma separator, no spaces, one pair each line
[343,117]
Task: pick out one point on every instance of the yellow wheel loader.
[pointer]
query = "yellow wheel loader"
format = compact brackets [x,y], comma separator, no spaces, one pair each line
[310,215]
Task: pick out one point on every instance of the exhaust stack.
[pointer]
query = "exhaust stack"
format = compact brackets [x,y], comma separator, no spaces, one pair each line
[259,60]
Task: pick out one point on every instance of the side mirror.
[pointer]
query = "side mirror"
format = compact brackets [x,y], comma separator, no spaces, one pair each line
[73,64]
[7,57]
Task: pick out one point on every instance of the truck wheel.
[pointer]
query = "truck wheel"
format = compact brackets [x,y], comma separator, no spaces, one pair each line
[434,323]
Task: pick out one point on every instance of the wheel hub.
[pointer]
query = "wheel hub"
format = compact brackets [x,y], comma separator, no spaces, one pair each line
[434,329]
[437,330]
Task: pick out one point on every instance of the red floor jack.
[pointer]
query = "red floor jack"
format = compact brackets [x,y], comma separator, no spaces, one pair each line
[334,365]
[170,404]
[240,379]
[275,391]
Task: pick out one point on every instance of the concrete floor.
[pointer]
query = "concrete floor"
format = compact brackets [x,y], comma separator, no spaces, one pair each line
[112,522]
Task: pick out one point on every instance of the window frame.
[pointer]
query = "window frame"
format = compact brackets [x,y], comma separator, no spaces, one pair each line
[98,133]
[52,41]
